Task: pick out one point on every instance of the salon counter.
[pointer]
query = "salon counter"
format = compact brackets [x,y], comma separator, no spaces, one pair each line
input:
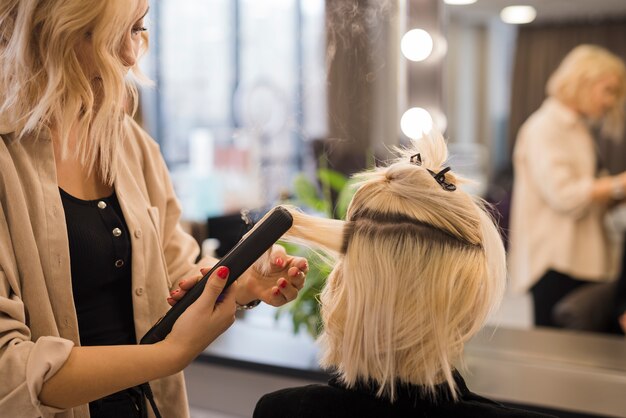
[575,374]
[562,370]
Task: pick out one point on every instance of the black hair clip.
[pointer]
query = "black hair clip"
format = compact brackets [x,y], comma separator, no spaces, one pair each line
[440,177]
[416,159]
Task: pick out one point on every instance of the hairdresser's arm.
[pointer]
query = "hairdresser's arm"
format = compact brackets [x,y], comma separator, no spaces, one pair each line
[606,189]
[93,372]
[556,176]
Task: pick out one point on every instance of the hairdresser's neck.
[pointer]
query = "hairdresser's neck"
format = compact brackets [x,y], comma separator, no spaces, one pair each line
[72,176]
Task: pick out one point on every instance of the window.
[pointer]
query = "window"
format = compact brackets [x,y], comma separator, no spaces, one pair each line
[240,89]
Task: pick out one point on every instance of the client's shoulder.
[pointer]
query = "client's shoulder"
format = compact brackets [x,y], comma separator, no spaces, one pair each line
[473,405]
[303,401]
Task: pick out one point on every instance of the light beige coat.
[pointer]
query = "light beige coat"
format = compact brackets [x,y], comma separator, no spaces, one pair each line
[554,223]
[38,325]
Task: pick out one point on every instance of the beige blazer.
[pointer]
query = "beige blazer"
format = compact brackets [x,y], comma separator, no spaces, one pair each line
[554,223]
[38,325]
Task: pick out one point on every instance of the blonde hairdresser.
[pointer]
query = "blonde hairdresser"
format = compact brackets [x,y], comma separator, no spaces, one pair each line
[91,249]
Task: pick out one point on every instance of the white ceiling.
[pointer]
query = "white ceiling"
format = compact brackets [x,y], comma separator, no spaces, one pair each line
[547,10]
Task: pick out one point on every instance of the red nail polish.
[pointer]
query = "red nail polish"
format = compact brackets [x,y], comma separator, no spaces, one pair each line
[276,292]
[283,284]
[222,272]
[279,262]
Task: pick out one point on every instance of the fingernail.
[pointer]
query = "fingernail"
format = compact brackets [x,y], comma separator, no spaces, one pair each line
[172,292]
[222,272]
[276,292]
[279,262]
[169,300]
[283,284]
[180,284]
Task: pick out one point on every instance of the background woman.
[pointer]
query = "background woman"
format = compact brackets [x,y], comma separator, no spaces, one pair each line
[558,239]
[90,241]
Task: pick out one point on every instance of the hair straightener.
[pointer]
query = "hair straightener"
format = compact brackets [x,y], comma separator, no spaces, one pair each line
[238,260]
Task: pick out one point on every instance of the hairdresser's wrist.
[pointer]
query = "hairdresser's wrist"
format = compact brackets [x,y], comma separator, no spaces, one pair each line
[177,356]
[244,295]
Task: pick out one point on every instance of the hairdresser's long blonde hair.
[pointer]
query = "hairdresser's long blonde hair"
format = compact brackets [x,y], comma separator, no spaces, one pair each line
[42,84]
[418,270]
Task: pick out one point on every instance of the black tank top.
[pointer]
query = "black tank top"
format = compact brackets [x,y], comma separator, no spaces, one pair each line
[100,255]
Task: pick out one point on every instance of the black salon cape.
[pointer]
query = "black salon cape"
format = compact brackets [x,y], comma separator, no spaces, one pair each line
[336,401]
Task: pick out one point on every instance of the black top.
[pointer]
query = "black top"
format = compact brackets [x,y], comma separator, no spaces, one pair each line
[336,401]
[100,255]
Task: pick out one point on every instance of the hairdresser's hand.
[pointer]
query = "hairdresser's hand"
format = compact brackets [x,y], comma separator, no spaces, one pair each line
[275,280]
[185,285]
[622,322]
[204,320]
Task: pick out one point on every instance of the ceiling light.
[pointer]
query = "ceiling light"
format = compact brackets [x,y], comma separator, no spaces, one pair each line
[459,2]
[416,122]
[416,45]
[517,15]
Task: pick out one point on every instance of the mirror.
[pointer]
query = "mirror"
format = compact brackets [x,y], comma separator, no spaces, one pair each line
[485,106]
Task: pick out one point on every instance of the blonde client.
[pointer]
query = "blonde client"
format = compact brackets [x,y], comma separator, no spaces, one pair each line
[419,266]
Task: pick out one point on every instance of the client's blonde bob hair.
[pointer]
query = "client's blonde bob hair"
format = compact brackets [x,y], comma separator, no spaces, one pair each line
[581,68]
[43,84]
[418,270]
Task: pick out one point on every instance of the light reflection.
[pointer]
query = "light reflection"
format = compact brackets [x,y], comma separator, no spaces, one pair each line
[517,15]
[416,122]
[416,45]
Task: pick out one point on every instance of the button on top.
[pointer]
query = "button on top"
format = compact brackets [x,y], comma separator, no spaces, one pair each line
[139,291]
[117,232]
[102,204]
[119,263]
[138,233]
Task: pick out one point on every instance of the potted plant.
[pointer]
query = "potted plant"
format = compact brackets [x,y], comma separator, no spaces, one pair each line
[305,310]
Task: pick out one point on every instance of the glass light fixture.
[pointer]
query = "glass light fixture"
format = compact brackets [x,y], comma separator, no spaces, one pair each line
[518,15]
[416,122]
[416,45]
[459,2]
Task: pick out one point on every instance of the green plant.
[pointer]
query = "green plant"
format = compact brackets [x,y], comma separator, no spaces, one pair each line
[305,310]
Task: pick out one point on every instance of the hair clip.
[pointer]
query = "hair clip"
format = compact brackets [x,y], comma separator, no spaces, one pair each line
[416,159]
[440,177]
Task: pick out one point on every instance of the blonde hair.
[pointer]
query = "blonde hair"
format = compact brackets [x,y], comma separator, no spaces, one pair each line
[582,67]
[42,84]
[418,270]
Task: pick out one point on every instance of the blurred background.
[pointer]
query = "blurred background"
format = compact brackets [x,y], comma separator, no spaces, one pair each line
[251,94]
[252,98]
[258,102]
